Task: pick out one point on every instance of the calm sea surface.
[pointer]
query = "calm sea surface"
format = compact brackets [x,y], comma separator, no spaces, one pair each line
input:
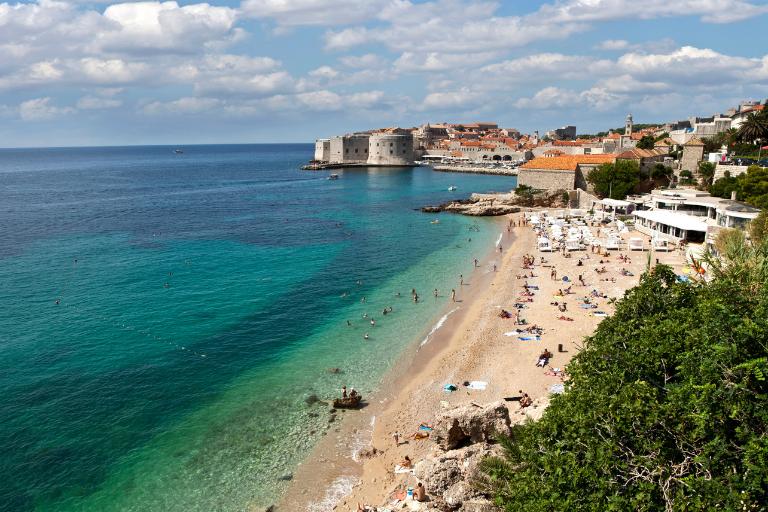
[202,298]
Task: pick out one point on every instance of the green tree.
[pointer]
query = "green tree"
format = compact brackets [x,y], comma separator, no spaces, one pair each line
[661,171]
[724,186]
[615,180]
[753,186]
[754,127]
[707,174]
[646,142]
[665,408]
[686,177]
[758,228]
[662,137]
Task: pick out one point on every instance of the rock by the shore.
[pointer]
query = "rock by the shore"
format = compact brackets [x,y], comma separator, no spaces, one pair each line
[484,205]
[471,424]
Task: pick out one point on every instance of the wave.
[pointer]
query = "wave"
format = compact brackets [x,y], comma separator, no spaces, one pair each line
[438,325]
[498,240]
[340,488]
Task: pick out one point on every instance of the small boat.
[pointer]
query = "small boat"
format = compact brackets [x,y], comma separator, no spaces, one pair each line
[451,188]
[333,177]
[178,151]
[436,221]
[351,402]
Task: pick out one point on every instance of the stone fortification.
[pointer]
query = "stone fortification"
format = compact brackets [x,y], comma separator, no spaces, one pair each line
[390,149]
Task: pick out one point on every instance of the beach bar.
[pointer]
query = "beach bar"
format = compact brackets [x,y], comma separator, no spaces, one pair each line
[670,225]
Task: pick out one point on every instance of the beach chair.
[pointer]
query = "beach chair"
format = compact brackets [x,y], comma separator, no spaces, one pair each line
[636,244]
[545,245]
[660,245]
[612,244]
[573,245]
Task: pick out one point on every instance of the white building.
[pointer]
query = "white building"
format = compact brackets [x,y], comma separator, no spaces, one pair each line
[691,215]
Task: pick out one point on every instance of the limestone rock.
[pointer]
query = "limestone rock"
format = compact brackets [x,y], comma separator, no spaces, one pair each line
[470,424]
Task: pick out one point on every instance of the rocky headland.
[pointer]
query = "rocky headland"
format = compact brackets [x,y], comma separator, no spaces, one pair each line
[487,205]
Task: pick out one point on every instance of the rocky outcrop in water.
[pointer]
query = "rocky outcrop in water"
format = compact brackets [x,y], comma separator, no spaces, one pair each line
[485,205]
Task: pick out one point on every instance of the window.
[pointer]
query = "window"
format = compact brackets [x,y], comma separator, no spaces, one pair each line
[391,152]
[346,150]
[390,144]
[355,150]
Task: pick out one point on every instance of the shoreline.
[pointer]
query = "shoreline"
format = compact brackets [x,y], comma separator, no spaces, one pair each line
[331,469]
[474,344]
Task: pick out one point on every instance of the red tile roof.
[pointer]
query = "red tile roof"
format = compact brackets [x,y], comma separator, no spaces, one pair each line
[567,163]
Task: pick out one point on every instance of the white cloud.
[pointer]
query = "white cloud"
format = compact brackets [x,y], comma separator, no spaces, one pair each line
[39,109]
[187,105]
[459,99]
[324,72]
[711,11]
[367,61]
[97,103]
[313,12]
[556,98]
[613,44]
[435,61]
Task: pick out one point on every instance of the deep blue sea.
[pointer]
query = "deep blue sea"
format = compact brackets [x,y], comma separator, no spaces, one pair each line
[163,317]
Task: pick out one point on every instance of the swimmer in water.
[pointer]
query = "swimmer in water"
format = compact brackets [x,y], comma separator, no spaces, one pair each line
[362,300]
[349,324]
[397,294]
[58,301]
[365,336]
[373,322]
[416,297]
[453,295]
[365,315]
[384,312]
[461,279]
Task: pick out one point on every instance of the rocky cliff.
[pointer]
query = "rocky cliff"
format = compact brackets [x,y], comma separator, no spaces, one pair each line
[484,205]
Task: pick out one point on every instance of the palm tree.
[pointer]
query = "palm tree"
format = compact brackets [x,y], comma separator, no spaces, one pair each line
[754,127]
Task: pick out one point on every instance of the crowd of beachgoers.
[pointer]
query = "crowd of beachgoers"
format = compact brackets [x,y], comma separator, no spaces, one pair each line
[550,281]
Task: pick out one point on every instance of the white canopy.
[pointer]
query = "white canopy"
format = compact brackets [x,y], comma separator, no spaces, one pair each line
[616,203]
[674,219]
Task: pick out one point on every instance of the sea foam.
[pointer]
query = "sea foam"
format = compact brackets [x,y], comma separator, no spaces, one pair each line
[438,325]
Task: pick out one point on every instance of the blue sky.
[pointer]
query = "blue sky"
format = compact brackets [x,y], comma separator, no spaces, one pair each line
[103,73]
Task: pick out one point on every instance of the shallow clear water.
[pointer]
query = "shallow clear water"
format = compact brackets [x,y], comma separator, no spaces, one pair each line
[202,300]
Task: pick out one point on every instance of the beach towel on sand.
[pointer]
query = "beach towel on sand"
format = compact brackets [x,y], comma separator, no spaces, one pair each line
[400,469]
[529,338]
[478,385]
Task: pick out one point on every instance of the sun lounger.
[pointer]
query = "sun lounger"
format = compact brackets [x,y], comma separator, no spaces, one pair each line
[661,245]
[636,244]
[573,245]
[612,244]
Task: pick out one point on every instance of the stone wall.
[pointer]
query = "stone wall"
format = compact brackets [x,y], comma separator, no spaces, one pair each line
[322,150]
[348,149]
[390,149]
[692,155]
[735,170]
[546,179]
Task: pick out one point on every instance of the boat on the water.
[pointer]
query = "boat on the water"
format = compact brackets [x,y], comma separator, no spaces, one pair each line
[333,177]
[178,151]
[451,188]
[351,402]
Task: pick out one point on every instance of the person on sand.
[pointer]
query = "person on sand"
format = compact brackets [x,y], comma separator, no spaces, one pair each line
[406,463]
[419,493]
[343,391]
[453,295]
[475,261]
[525,400]
[553,275]
[396,438]
[461,279]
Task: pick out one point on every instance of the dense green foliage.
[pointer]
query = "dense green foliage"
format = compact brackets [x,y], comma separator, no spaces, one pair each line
[758,228]
[707,174]
[666,407]
[646,142]
[615,180]
[751,187]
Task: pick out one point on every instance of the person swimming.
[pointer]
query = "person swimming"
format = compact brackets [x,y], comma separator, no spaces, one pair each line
[365,336]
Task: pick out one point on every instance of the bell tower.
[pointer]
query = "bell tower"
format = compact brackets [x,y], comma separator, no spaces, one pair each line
[628,125]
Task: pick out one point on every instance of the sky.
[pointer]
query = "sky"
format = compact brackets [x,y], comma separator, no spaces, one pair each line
[82,73]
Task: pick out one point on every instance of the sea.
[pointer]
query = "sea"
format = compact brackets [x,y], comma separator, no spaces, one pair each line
[168,320]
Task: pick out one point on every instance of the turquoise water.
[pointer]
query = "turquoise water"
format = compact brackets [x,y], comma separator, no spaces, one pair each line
[202,299]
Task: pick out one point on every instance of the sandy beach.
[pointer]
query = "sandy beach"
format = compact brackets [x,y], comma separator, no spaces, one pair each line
[473,343]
